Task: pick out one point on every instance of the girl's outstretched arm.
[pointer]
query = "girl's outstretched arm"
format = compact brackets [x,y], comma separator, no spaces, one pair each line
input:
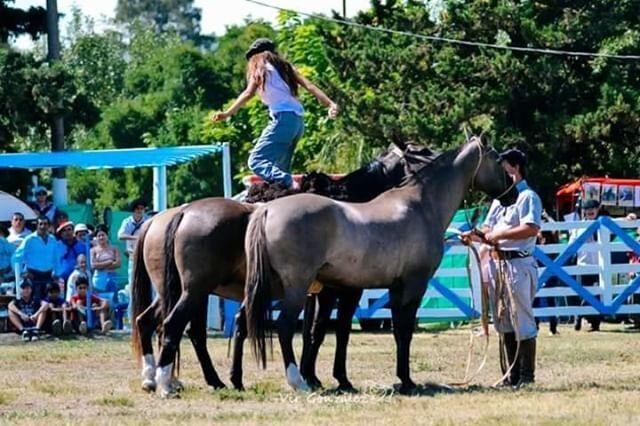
[244,97]
[319,94]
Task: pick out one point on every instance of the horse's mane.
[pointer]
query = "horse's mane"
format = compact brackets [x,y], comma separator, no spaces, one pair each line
[424,167]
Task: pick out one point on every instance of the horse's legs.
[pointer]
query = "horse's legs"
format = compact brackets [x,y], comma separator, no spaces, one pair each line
[403,313]
[147,323]
[348,300]
[239,336]
[173,328]
[198,335]
[291,308]
[314,331]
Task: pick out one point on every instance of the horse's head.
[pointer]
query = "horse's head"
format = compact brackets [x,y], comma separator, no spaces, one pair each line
[490,177]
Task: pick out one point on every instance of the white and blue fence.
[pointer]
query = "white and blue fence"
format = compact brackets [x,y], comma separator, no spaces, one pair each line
[618,280]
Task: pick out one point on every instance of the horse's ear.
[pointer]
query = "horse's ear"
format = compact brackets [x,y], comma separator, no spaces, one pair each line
[398,140]
[484,139]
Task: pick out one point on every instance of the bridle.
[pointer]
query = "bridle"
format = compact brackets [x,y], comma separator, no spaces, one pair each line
[482,153]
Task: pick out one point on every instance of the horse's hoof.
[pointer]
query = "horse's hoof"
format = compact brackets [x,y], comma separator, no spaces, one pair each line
[408,388]
[149,386]
[217,385]
[237,384]
[313,382]
[176,385]
[169,394]
[295,380]
[346,386]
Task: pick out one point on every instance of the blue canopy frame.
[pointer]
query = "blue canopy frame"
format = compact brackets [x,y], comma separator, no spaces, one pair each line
[158,158]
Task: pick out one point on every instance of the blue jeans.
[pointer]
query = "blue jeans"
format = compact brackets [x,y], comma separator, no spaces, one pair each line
[271,157]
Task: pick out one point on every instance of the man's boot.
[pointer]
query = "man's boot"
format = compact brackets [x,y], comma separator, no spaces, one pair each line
[509,347]
[527,358]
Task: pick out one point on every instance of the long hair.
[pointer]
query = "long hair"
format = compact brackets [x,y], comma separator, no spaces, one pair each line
[257,70]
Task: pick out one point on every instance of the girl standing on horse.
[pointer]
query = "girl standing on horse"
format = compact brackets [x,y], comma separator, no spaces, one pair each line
[276,81]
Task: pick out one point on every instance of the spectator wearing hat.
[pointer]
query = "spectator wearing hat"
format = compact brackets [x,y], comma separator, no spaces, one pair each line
[81,232]
[512,231]
[68,250]
[26,313]
[42,205]
[18,230]
[589,210]
[37,257]
[6,252]
[276,81]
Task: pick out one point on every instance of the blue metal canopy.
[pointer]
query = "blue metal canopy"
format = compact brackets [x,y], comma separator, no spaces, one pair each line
[109,158]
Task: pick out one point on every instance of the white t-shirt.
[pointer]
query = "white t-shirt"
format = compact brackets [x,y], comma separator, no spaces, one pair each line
[277,94]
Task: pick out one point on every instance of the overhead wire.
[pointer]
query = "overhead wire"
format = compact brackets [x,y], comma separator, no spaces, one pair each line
[432,38]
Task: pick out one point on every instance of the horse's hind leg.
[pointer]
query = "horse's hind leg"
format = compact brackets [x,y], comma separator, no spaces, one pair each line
[198,335]
[173,328]
[314,331]
[239,336]
[403,312]
[147,323]
[291,308]
[348,300]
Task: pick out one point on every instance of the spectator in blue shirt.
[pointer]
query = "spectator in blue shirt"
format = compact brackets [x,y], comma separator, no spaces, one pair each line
[68,250]
[37,255]
[6,252]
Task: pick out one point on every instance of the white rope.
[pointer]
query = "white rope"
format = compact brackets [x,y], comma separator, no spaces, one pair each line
[452,40]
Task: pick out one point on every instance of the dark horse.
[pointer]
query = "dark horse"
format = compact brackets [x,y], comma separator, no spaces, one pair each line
[394,241]
[191,251]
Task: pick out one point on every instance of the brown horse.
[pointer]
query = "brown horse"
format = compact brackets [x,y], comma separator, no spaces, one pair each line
[192,251]
[394,241]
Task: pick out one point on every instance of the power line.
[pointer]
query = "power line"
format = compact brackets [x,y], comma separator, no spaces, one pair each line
[450,40]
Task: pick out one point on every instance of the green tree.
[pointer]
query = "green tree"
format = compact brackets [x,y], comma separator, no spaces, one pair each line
[16,21]
[180,16]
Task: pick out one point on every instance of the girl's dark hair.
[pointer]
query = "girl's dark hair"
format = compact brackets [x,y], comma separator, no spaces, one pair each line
[257,70]
[102,228]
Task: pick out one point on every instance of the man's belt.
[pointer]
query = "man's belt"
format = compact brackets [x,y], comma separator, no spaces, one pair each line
[511,254]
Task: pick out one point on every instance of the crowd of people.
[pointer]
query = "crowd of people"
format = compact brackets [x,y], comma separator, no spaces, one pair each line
[66,271]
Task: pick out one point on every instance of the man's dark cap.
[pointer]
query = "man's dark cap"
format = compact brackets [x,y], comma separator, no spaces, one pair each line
[259,46]
[590,204]
[138,202]
[515,157]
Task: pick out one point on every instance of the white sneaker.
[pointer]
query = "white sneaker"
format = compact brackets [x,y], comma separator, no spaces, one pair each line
[82,328]
[106,326]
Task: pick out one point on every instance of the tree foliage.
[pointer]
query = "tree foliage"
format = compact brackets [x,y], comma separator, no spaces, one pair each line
[155,86]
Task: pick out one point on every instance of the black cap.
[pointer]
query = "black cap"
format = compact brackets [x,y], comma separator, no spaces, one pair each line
[138,202]
[514,157]
[26,283]
[590,204]
[259,46]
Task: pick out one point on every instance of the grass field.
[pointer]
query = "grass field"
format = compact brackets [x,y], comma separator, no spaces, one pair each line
[582,379]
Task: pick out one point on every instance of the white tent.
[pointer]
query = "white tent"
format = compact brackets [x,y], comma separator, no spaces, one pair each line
[10,205]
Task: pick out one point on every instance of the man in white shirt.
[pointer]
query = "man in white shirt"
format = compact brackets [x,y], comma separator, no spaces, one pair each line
[18,231]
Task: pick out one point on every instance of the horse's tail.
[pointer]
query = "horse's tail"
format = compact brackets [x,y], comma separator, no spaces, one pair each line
[140,290]
[258,283]
[171,282]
